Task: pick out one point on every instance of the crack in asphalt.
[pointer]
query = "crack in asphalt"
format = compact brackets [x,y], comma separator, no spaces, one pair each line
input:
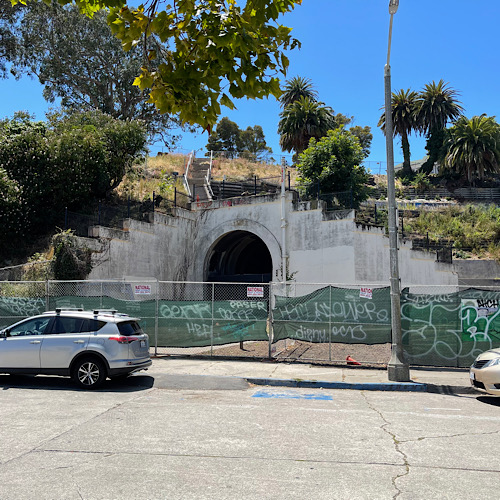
[274,371]
[105,454]
[396,446]
[423,438]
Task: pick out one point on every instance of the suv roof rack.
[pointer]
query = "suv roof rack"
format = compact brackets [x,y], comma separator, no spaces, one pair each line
[72,309]
[101,311]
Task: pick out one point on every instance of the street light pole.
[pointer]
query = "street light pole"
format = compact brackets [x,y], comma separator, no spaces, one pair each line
[397,369]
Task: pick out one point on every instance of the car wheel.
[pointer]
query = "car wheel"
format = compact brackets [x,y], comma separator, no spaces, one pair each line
[89,373]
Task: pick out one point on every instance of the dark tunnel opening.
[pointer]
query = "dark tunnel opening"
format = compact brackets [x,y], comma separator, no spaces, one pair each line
[240,256]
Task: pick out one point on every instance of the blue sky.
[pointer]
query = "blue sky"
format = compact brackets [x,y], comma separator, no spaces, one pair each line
[344,49]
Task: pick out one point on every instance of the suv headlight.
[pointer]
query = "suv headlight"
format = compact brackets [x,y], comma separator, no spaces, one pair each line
[492,362]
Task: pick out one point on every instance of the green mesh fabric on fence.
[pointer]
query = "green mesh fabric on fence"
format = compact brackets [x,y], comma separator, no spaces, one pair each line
[143,309]
[354,316]
[438,329]
[14,309]
[449,329]
[191,323]
[180,324]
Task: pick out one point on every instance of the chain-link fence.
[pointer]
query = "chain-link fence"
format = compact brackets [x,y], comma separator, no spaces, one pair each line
[442,325]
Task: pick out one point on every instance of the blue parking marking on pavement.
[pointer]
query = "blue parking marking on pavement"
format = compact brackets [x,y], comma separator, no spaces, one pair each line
[291,395]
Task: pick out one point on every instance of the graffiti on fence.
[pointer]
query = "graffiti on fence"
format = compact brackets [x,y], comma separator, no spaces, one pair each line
[229,310]
[199,330]
[339,333]
[197,323]
[335,315]
[451,329]
[480,319]
[197,310]
[323,311]
[242,310]
[21,306]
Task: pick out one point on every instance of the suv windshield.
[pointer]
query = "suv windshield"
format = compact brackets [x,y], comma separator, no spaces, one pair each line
[128,328]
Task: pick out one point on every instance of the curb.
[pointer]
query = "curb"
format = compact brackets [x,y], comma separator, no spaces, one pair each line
[451,389]
[366,386]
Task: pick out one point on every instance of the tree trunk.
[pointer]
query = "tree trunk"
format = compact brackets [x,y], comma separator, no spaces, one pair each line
[405,146]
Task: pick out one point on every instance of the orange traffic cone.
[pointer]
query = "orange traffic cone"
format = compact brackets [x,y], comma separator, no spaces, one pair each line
[352,361]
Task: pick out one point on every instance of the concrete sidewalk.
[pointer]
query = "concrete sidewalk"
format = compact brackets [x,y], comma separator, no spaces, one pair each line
[182,373]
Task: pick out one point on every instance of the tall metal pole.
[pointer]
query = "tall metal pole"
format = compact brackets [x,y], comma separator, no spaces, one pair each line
[283,222]
[397,369]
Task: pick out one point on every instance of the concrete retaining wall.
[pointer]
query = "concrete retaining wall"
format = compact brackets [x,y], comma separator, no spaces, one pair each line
[322,247]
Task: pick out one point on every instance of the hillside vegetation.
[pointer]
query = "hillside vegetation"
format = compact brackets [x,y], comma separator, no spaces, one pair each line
[473,229]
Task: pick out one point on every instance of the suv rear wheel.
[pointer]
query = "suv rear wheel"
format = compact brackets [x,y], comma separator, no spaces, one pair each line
[89,373]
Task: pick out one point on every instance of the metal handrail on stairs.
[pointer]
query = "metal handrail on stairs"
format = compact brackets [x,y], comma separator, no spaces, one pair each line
[185,175]
[208,177]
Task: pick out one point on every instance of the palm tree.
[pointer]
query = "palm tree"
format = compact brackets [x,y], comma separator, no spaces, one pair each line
[296,88]
[474,147]
[437,104]
[302,120]
[404,121]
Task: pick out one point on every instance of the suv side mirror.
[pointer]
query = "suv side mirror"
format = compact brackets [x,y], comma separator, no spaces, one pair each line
[4,333]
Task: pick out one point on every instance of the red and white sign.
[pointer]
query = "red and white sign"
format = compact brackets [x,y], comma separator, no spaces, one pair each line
[142,289]
[255,291]
[366,293]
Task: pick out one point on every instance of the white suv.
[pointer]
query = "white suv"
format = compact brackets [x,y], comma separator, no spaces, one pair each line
[86,345]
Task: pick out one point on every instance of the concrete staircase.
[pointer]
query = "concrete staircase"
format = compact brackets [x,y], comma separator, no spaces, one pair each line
[197,178]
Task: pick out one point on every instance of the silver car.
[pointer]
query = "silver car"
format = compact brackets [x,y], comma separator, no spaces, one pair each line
[485,372]
[86,345]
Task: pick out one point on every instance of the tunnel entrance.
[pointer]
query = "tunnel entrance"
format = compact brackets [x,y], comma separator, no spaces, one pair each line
[240,256]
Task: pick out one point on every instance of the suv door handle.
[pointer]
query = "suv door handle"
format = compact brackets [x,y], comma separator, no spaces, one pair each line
[79,341]
[35,342]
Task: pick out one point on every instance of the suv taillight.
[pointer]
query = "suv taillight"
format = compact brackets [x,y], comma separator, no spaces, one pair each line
[123,340]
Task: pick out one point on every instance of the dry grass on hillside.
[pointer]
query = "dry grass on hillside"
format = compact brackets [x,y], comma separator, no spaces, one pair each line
[241,169]
[149,176]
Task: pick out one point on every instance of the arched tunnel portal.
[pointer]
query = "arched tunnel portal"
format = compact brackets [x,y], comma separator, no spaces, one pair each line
[239,256]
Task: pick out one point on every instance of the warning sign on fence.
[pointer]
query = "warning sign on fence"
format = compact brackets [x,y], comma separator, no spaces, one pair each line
[365,293]
[142,289]
[255,291]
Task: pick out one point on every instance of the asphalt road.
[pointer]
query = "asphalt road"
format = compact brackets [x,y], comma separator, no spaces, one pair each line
[131,441]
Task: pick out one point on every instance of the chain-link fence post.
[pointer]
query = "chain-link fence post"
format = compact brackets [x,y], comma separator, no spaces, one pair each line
[212,329]
[101,294]
[47,304]
[271,320]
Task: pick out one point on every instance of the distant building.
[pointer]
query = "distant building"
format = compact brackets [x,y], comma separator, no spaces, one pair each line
[415,165]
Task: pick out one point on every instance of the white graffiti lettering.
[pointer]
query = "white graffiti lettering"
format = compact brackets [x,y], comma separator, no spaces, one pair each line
[199,330]
[189,311]
[352,332]
[311,334]
[242,314]
[22,306]
[248,304]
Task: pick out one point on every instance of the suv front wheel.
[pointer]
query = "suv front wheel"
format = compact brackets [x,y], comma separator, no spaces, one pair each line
[89,373]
